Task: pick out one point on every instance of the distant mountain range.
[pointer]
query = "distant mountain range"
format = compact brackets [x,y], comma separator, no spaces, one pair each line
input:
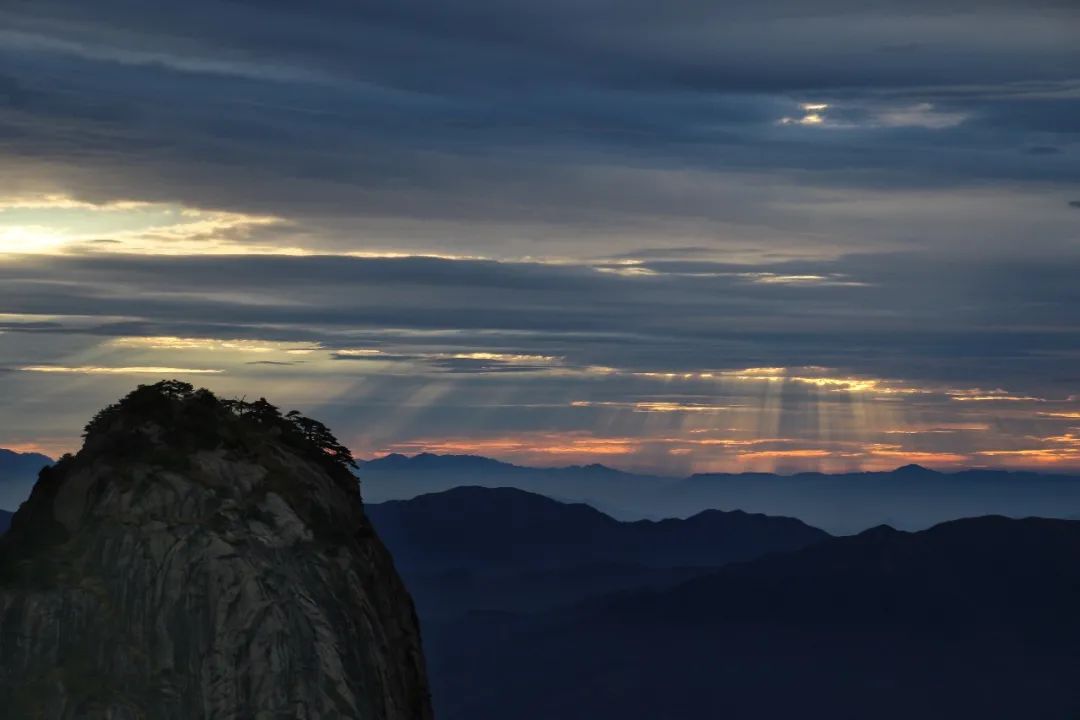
[908,498]
[973,618]
[18,473]
[475,548]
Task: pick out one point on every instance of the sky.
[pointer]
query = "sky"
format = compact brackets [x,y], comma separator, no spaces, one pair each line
[664,236]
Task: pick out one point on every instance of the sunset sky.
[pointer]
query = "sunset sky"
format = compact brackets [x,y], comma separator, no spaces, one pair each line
[673,237]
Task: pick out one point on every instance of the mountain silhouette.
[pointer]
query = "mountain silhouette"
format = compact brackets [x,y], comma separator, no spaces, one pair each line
[472,548]
[476,527]
[986,569]
[400,477]
[972,618]
[913,469]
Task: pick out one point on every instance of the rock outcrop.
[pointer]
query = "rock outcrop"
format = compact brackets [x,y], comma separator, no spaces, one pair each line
[201,558]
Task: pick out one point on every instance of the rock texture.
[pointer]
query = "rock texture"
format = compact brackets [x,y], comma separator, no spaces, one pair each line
[201,559]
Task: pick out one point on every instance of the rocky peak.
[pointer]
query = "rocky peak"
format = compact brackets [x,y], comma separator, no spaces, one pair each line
[203,558]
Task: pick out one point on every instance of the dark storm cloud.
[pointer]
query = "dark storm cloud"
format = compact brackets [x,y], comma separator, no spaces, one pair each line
[487,112]
[639,43]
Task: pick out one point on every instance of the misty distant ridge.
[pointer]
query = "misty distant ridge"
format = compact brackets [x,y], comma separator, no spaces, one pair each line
[12,459]
[911,497]
[439,461]
[18,473]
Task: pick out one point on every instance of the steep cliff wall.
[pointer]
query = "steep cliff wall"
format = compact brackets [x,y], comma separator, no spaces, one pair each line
[198,559]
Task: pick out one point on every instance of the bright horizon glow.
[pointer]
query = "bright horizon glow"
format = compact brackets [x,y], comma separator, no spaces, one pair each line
[29,240]
[857,422]
[54,224]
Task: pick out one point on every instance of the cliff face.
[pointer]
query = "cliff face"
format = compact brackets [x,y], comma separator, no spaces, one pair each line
[202,560]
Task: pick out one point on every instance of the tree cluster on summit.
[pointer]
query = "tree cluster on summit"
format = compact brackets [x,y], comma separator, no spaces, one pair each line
[199,416]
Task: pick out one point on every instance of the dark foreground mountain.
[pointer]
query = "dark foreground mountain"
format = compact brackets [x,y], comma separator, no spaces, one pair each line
[909,498]
[18,472]
[973,618]
[5,521]
[200,558]
[475,548]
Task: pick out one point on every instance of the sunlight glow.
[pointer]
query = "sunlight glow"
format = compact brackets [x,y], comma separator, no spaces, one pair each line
[997,395]
[53,224]
[32,239]
[814,376]
[812,115]
[511,358]
[212,344]
[657,406]
[358,352]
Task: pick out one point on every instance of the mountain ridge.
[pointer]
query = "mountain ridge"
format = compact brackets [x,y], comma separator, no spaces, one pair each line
[432,460]
[912,497]
[971,618]
[522,514]
[477,548]
[962,554]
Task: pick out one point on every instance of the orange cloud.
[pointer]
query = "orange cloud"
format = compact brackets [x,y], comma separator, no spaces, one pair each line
[44,447]
[761,454]
[533,444]
[928,458]
[996,395]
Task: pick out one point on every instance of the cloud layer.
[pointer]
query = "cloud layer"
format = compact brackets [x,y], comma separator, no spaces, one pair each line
[699,235]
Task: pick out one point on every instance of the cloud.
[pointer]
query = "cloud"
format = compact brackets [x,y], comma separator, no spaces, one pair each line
[510,130]
[923,115]
[134,370]
[236,345]
[900,316]
[480,362]
[60,224]
[517,206]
